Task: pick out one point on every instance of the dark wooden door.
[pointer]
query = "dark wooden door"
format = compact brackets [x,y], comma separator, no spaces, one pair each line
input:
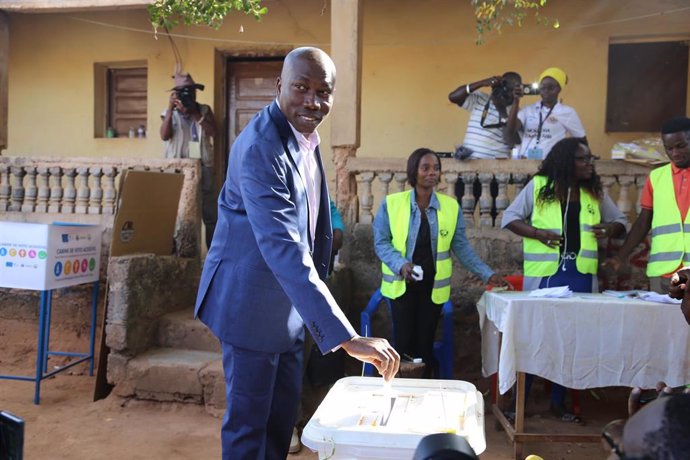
[251,86]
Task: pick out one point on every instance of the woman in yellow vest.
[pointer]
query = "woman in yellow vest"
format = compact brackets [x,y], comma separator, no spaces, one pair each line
[560,214]
[414,233]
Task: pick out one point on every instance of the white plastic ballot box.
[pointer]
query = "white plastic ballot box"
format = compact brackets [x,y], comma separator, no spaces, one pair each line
[48,256]
[360,418]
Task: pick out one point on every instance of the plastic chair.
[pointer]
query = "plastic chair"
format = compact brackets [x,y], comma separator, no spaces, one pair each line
[443,349]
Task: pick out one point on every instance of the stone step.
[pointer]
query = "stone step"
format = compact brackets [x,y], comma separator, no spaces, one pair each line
[176,375]
[180,330]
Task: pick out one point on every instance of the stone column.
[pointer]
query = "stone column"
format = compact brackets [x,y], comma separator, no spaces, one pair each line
[346,52]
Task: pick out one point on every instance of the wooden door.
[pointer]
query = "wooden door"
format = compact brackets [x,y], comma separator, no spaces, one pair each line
[251,86]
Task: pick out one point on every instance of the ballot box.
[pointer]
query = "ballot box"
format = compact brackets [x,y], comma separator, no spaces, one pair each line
[361,418]
[48,256]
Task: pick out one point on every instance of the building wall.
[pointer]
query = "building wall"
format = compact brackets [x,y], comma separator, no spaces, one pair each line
[414,54]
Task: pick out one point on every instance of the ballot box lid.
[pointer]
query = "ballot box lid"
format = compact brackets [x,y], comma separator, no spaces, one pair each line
[361,418]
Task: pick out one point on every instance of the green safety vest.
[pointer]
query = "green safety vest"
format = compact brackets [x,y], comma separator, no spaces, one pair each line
[399,209]
[670,235]
[541,260]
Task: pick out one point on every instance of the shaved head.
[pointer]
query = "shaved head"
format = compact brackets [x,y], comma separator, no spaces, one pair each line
[305,88]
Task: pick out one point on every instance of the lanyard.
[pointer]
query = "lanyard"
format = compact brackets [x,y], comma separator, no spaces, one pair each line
[500,124]
[541,122]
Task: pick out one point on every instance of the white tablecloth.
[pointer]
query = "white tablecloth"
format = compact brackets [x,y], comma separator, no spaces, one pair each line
[585,341]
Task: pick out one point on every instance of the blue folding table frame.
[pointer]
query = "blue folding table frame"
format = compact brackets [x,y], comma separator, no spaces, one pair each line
[43,349]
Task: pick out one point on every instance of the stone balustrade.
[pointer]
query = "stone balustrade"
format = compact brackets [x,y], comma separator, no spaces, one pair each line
[84,190]
[497,182]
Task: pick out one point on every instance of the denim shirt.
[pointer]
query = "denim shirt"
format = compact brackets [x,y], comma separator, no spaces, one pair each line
[383,239]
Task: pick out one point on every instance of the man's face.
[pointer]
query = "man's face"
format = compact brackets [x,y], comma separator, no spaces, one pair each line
[676,146]
[305,92]
[549,89]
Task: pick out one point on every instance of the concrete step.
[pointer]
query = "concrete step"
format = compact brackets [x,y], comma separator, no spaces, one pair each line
[176,375]
[180,330]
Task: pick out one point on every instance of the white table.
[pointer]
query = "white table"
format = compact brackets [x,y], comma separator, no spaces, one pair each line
[583,341]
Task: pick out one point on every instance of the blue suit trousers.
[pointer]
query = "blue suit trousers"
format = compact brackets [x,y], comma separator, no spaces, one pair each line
[263,394]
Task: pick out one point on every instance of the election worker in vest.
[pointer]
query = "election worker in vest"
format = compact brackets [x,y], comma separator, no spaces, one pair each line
[664,209]
[561,213]
[419,228]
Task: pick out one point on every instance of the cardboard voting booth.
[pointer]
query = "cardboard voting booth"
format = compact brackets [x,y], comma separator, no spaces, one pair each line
[48,256]
[360,418]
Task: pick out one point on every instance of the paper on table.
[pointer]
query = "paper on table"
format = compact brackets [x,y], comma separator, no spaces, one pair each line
[650,296]
[560,291]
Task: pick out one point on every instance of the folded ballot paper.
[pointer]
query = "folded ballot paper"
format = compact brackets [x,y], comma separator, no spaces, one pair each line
[554,292]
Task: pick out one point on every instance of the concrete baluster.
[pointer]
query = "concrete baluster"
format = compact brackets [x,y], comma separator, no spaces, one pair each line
[366,199]
[520,180]
[624,203]
[17,197]
[55,202]
[607,182]
[96,191]
[109,192]
[486,201]
[400,180]
[31,191]
[5,188]
[385,179]
[450,179]
[70,193]
[502,200]
[43,189]
[468,198]
[83,192]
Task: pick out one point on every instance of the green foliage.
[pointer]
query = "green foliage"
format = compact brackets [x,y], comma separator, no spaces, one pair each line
[169,13]
[492,15]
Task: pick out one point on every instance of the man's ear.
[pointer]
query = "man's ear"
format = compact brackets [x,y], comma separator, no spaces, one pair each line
[278,85]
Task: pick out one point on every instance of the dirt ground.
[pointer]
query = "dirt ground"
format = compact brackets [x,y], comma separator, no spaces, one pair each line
[68,425]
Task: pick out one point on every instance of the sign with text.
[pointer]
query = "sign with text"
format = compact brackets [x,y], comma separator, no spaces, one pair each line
[48,256]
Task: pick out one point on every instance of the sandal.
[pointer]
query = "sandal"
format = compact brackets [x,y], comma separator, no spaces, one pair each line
[567,417]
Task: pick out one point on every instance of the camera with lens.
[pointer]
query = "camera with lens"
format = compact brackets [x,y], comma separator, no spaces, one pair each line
[187,97]
[530,89]
[502,90]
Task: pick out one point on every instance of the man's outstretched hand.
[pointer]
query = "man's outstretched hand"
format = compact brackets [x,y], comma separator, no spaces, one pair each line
[376,351]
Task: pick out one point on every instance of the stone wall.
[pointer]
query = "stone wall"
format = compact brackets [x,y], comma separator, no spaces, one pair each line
[142,289]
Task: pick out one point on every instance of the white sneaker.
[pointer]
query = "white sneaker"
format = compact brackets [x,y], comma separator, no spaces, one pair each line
[295,444]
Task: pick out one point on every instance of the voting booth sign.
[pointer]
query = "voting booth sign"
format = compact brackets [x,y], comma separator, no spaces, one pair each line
[48,256]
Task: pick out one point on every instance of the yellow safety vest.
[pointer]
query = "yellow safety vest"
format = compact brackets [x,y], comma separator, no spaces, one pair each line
[541,260]
[670,235]
[399,209]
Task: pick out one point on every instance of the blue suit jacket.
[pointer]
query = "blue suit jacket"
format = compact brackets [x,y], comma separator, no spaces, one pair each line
[261,277]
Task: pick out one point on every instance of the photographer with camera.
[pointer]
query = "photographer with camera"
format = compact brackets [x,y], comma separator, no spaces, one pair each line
[488,115]
[187,129]
[543,124]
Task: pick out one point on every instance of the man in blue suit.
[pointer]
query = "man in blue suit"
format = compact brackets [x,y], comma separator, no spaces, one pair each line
[263,277]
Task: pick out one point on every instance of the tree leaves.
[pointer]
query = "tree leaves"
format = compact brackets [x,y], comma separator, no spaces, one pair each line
[169,13]
[492,15]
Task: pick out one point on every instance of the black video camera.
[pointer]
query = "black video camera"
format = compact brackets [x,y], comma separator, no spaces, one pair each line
[187,96]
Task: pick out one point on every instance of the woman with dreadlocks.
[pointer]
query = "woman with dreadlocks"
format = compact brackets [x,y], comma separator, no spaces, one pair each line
[561,213]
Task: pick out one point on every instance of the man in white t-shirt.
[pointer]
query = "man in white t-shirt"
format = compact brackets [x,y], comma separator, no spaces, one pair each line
[488,115]
[546,122]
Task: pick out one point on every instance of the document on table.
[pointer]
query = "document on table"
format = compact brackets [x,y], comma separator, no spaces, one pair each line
[649,296]
[554,292]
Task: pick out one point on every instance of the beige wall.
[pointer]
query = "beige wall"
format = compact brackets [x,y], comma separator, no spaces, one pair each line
[414,54]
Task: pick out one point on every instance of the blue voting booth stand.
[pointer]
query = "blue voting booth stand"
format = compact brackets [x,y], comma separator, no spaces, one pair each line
[45,257]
